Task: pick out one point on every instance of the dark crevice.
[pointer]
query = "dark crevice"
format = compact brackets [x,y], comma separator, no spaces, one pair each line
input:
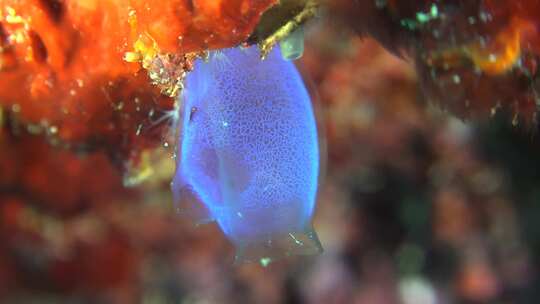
[54,8]
[38,47]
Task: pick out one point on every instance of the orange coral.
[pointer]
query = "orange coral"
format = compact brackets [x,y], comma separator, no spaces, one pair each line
[63,64]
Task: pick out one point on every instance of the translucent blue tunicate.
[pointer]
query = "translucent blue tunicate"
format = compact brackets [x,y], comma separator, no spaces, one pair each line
[248,154]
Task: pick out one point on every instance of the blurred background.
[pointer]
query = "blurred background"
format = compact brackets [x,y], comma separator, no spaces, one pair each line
[417,206]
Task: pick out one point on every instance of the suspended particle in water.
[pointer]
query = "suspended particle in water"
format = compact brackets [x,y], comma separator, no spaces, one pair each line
[292,46]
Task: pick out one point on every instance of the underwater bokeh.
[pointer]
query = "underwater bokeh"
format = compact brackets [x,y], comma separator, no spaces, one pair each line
[425,199]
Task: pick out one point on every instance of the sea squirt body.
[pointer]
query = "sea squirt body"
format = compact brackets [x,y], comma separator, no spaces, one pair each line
[248,154]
